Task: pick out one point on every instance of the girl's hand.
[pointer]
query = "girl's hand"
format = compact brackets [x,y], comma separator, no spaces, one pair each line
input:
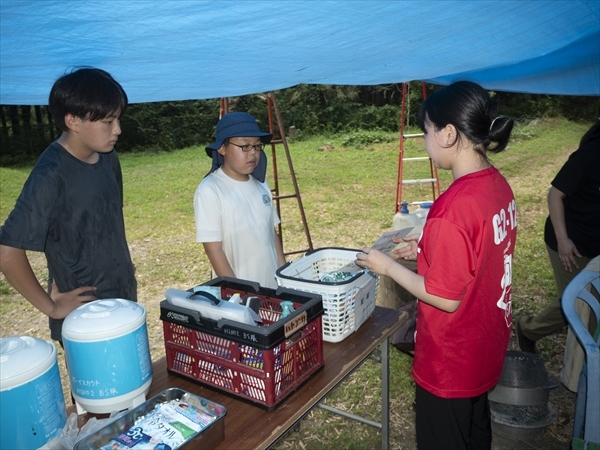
[374,260]
[408,252]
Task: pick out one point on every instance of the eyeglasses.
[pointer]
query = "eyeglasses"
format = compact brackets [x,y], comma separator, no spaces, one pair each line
[246,148]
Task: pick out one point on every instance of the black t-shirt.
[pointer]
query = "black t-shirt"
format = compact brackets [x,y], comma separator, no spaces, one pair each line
[73,212]
[579,180]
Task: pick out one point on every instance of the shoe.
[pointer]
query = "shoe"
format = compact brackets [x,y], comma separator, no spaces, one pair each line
[525,344]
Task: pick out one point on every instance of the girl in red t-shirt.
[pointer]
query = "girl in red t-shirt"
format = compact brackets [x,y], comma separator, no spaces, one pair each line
[464,259]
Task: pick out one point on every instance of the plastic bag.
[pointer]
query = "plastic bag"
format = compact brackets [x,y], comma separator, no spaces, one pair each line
[70,434]
[404,337]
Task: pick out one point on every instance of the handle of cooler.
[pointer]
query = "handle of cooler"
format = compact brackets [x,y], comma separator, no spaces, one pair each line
[234,284]
[205,295]
[331,248]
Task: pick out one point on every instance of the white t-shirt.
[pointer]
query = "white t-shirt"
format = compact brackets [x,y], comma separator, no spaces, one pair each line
[241,215]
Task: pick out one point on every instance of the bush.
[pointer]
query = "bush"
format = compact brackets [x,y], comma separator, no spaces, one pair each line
[168,125]
[523,131]
[311,109]
[386,118]
[363,138]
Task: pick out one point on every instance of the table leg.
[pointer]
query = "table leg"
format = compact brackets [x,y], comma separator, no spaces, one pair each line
[385,394]
[384,359]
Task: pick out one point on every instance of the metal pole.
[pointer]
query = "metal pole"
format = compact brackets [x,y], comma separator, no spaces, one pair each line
[349,415]
[385,394]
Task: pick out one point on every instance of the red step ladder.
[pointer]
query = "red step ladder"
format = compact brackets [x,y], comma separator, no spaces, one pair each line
[433,179]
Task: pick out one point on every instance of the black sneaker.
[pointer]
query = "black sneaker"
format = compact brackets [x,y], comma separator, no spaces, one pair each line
[525,344]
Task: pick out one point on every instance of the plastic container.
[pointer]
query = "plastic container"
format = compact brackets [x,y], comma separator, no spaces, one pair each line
[108,356]
[405,219]
[211,307]
[347,303]
[262,364]
[206,439]
[32,406]
[423,210]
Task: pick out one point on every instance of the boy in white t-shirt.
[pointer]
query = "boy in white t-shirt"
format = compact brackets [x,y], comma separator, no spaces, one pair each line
[233,205]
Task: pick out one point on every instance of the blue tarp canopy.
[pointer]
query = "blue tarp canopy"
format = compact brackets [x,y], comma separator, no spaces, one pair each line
[180,50]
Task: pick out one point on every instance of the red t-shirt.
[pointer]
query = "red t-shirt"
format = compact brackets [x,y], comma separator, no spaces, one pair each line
[465,253]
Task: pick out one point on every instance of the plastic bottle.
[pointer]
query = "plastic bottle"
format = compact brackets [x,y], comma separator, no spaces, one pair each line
[236,298]
[287,308]
[405,219]
[423,210]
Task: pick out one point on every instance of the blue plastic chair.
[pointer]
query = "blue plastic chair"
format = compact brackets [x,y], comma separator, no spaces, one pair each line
[586,426]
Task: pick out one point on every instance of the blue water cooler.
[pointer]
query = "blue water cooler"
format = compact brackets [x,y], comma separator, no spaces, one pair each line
[32,406]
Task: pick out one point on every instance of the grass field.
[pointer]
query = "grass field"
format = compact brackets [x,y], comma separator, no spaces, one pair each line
[348,190]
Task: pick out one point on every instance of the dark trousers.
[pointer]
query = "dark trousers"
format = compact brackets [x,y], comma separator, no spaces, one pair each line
[63,347]
[551,319]
[452,423]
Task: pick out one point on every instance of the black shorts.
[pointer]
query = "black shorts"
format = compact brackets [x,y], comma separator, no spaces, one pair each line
[452,423]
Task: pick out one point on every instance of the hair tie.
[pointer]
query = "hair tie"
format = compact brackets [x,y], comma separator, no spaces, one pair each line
[492,125]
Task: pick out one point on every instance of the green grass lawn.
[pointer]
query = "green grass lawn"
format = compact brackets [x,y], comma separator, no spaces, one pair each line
[348,190]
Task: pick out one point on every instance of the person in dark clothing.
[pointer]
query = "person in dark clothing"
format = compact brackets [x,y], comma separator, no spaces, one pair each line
[71,206]
[572,235]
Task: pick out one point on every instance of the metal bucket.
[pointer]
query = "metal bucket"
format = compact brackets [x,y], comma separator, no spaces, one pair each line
[519,403]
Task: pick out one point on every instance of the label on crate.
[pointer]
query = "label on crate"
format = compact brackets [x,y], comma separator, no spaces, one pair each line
[178,317]
[295,324]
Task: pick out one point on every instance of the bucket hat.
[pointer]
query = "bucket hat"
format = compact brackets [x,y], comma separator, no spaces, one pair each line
[237,124]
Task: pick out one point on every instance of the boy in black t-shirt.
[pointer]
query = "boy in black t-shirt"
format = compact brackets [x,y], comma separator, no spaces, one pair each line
[71,206]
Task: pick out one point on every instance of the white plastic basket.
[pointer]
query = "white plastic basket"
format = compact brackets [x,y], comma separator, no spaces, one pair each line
[347,304]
